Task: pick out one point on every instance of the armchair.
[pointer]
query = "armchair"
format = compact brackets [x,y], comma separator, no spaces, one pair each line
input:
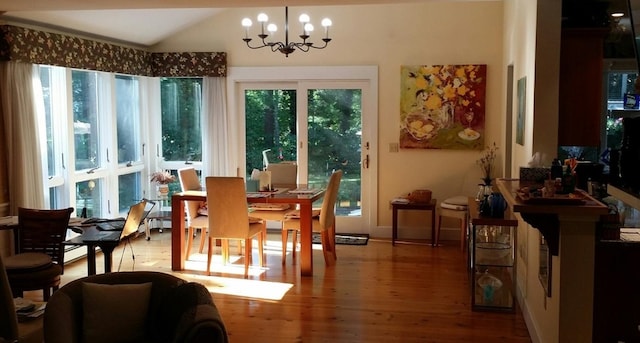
[177,310]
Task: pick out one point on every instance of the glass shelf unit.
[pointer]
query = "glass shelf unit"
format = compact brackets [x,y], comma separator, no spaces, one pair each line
[492,267]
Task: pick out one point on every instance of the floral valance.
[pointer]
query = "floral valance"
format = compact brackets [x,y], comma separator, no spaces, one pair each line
[39,47]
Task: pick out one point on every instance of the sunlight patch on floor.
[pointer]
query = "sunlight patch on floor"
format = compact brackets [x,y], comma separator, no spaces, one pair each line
[255,289]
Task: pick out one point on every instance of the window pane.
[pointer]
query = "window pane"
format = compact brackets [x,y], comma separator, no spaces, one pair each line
[85,119]
[129,191]
[270,127]
[335,127]
[128,118]
[88,195]
[45,80]
[181,100]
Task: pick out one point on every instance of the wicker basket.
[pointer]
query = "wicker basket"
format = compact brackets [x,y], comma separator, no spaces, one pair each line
[420,195]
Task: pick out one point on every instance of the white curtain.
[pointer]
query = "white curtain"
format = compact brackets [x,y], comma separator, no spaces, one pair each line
[219,154]
[22,139]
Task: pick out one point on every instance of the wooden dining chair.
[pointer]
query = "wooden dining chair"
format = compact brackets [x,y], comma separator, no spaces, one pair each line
[283,174]
[39,259]
[196,217]
[230,220]
[324,222]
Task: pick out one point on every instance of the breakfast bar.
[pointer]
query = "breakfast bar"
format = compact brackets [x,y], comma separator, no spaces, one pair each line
[565,313]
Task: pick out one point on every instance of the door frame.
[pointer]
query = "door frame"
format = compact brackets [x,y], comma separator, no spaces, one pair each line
[368,75]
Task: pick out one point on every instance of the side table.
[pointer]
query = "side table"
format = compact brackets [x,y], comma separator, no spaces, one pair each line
[420,206]
[159,215]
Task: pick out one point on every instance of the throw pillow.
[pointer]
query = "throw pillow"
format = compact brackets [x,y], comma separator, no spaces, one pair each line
[115,313]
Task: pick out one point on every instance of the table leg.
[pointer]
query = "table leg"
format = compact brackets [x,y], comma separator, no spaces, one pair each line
[435,236]
[177,234]
[394,225]
[306,249]
[107,251]
[91,260]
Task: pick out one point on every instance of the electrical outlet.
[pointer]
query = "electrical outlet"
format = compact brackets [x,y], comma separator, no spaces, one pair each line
[393,147]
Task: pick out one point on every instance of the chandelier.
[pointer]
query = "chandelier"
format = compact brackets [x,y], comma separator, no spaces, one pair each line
[287,47]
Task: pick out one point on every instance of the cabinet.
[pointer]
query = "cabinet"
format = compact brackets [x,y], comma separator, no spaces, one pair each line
[492,270]
[580,86]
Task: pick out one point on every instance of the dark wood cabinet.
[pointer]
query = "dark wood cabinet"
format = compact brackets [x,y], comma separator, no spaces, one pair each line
[580,88]
[616,303]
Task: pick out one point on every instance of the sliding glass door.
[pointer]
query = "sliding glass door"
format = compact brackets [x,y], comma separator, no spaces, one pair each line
[319,125]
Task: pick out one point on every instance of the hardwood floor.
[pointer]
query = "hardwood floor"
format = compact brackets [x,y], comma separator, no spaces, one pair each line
[375,293]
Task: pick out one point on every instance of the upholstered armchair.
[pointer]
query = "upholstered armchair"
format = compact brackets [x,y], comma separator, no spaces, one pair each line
[140,306]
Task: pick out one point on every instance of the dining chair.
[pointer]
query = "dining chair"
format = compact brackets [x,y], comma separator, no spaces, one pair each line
[324,222]
[283,174]
[39,258]
[230,220]
[194,210]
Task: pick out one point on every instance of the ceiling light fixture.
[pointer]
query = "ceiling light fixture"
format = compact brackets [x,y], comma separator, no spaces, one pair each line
[286,47]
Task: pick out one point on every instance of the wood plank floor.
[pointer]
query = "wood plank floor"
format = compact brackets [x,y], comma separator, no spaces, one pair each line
[375,293]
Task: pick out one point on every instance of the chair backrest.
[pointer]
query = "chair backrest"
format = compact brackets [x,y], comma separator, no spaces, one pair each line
[43,231]
[227,205]
[327,212]
[189,181]
[283,174]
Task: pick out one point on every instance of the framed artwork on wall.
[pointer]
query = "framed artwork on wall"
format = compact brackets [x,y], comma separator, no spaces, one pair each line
[522,110]
[443,106]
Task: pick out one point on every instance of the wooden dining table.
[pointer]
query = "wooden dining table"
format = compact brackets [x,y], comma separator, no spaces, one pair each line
[284,196]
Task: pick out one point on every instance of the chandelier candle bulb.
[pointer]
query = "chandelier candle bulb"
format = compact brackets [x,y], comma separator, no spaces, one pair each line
[326,22]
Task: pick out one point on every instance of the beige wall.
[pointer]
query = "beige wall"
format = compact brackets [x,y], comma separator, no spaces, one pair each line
[387,36]
[532,45]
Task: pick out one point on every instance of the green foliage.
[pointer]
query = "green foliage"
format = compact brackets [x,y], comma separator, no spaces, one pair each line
[181,126]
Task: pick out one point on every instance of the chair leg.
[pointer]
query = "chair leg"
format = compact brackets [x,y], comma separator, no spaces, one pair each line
[332,235]
[285,239]
[327,249]
[437,238]
[202,238]
[46,294]
[209,253]
[247,257]
[463,233]
[189,242]
[294,241]
[261,251]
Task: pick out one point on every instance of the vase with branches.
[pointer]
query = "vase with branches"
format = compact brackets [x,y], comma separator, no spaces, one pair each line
[486,162]
[162,178]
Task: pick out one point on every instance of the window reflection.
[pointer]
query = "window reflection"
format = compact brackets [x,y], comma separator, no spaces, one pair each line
[128,118]
[88,195]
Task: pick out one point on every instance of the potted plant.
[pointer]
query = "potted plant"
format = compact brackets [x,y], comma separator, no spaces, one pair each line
[162,178]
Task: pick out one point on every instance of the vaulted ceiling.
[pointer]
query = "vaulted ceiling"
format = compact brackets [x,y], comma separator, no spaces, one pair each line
[142,22]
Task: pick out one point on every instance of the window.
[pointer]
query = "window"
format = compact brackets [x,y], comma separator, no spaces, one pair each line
[86,124]
[128,119]
[181,101]
[98,167]
[181,139]
[618,84]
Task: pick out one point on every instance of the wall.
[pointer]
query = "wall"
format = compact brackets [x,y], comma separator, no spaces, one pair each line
[387,36]
[532,46]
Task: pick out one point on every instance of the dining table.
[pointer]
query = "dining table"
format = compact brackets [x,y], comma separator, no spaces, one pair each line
[299,195]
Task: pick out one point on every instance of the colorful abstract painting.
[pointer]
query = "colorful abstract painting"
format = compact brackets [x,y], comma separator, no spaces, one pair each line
[443,106]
